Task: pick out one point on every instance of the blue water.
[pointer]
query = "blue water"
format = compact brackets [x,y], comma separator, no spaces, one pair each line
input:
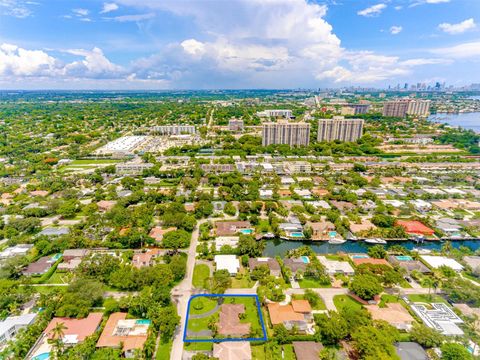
[465,120]
[246,231]
[280,247]
[305,259]
[404,258]
[43,356]
[332,233]
[143,322]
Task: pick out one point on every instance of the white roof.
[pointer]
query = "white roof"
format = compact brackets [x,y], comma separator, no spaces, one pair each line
[334,266]
[287,180]
[438,261]
[394,203]
[420,202]
[227,262]
[22,320]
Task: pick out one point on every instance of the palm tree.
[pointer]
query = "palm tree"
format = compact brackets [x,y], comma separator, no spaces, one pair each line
[58,330]
[57,337]
[429,283]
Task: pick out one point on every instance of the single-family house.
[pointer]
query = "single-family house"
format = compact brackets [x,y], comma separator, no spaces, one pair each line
[271,263]
[129,334]
[227,262]
[296,314]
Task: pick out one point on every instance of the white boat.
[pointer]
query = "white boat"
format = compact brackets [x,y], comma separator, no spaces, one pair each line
[337,241]
[376,241]
[268,236]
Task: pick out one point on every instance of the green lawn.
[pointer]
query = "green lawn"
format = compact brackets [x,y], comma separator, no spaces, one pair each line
[309,283]
[266,351]
[243,282]
[207,302]
[201,273]
[59,278]
[200,346]
[94,161]
[163,351]
[48,289]
[432,298]
[320,305]
[341,301]
[251,313]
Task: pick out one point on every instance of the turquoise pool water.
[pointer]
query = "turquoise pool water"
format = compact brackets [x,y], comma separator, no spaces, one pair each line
[246,231]
[332,233]
[56,257]
[43,356]
[143,322]
[296,234]
[360,256]
[404,258]
[305,259]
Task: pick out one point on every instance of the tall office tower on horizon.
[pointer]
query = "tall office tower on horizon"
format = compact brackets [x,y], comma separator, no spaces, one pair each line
[283,132]
[339,128]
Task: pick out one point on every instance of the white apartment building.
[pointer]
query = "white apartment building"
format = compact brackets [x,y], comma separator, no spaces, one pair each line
[283,132]
[419,108]
[297,167]
[339,128]
[287,114]
[132,168]
[174,129]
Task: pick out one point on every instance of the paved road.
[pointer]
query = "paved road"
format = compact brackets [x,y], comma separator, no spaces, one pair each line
[182,292]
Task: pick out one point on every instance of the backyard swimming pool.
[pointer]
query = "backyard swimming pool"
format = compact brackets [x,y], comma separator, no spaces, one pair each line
[246,231]
[43,356]
[143,322]
[56,257]
[403,258]
[360,256]
[305,259]
[296,235]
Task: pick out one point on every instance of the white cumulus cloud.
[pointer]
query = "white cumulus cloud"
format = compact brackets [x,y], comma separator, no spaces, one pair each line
[108,7]
[373,10]
[458,28]
[394,30]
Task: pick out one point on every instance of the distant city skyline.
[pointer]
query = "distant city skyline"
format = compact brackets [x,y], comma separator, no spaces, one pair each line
[238,44]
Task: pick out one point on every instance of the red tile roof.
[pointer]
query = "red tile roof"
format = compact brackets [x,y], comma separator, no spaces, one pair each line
[415,227]
[79,327]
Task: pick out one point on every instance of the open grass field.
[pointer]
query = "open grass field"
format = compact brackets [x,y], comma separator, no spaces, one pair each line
[201,273]
[200,346]
[273,351]
[163,351]
[432,298]
[309,283]
[342,301]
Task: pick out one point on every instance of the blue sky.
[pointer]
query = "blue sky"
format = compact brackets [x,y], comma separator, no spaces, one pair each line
[203,44]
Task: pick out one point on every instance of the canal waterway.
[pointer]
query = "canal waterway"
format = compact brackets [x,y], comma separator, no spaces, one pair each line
[280,247]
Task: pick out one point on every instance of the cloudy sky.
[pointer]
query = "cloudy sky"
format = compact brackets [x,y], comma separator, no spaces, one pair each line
[231,44]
